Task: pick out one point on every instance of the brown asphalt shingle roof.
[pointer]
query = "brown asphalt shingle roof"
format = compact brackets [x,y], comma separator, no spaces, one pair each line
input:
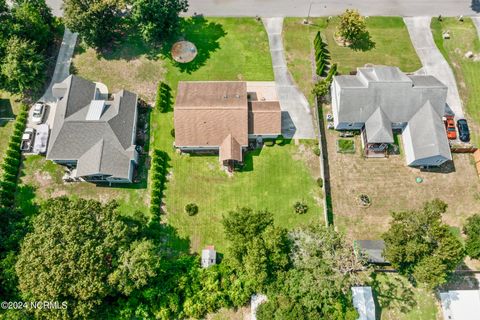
[265,118]
[207,112]
[230,149]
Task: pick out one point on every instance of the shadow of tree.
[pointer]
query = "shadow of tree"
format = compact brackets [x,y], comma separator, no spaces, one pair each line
[6,112]
[391,292]
[201,32]
[364,42]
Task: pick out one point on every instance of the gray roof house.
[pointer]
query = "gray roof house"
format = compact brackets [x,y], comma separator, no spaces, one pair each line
[92,133]
[380,99]
[372,250]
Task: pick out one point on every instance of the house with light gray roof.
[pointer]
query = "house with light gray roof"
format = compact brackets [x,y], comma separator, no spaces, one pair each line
[94,133]
[380,99]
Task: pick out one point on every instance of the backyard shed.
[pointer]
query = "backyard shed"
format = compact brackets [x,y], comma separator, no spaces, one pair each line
[363,302]
[209,256]
[372,250]
[461,304]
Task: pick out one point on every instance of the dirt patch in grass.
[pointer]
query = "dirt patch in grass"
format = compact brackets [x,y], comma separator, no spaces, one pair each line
[390,184]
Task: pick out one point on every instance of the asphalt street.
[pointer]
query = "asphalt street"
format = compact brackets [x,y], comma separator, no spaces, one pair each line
[300,8]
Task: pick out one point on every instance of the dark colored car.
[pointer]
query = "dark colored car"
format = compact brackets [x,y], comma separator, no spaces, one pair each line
[463,131]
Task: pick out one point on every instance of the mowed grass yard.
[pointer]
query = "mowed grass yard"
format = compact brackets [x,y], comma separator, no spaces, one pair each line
[463,38]
[390,35]
[273,178]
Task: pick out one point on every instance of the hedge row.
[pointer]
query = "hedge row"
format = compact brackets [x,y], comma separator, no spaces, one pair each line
[159,171]
[163,101]
[321,54]
[12,160]
[331,72]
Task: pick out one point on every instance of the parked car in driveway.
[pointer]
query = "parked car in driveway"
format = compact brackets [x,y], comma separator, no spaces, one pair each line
[38,112]
[27,139]
[463,131]
[450,127]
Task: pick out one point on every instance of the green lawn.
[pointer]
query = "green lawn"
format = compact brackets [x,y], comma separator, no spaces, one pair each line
[273,179]
[464,38]
[397,299]
[392,47]
[9,107]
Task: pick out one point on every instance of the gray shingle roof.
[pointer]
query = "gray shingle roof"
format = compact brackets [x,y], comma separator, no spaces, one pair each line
[428,138]
[101,146]
[373,249]
[379,128]
[379,96]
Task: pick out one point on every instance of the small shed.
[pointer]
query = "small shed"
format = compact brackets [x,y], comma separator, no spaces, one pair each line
[255,301]
[209,256]
[372,249]
[461,304]
[363,302]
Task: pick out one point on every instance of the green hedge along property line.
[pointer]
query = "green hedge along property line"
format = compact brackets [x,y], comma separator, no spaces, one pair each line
[163,100]
[12,160]
[321,54]
[159,171]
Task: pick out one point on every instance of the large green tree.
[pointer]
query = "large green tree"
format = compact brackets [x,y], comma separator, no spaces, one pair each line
[419,245]
[258,250]
[157,19]
[96,21]
[472,231]
[32,20]
[75,248]
[318,284]
[22,67]
[353,29]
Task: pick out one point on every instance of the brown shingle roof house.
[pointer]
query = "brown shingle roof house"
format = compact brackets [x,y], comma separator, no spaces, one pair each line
[221,116]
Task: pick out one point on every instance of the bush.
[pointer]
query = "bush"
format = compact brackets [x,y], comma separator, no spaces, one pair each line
[300,207]
[191,209]
[320,182]
[269,143]
[316,151]
[472,231]
[280,140]
[172,133]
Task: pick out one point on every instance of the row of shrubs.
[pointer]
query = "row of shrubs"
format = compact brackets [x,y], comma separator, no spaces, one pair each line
[271,142]
[159,171]
[321,54]
[12,160]
[163,101]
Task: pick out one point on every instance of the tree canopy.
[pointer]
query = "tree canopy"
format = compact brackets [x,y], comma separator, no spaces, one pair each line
[157,19]
[80,251]
[258,250]
[419,245]
[353,29]
[318,284]
[472,231]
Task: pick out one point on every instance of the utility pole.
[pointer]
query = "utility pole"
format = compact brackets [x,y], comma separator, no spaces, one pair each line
[308,16]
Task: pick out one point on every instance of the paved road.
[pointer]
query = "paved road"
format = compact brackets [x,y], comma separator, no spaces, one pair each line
[299,8]
[297,120]
[433,61]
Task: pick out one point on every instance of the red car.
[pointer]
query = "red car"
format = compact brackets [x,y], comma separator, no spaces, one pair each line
[450,127]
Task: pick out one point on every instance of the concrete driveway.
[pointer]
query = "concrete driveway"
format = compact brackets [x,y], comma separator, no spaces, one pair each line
[433,61]
[297,120]
[62,71]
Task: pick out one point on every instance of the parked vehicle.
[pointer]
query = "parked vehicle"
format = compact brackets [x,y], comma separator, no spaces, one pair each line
[463,131]
[27,139]
[450,127]
[38,112]
[41,139]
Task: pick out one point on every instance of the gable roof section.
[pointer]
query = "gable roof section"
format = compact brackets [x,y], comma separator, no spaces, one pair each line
[427,136]
[207,112]
[230,149]
[102,146]
[265,117]
[379,128]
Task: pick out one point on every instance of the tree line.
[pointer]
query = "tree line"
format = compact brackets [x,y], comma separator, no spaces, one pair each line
[27,30]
